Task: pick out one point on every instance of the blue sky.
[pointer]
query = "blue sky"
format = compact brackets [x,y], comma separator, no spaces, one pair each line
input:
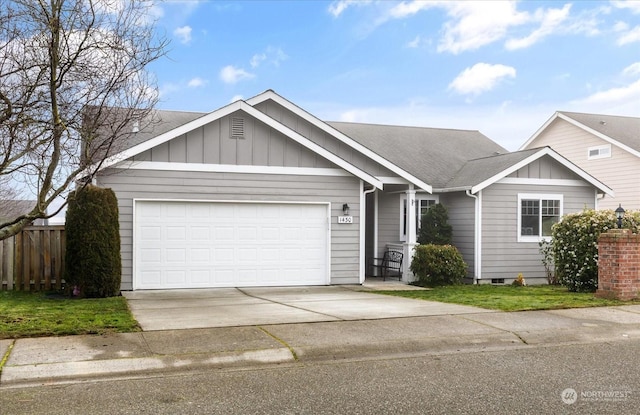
[499,67]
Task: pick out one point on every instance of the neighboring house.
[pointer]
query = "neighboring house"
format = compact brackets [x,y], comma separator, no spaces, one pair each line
[605,146]
[12,208]
[263,193]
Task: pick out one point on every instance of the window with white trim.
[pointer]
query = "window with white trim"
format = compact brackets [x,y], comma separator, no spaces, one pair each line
[536,215]
[423,203]
[599,152]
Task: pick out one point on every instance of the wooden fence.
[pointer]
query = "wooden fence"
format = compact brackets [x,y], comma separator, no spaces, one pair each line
[33,260]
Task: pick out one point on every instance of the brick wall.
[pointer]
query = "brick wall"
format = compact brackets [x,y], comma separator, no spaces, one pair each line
[619,265]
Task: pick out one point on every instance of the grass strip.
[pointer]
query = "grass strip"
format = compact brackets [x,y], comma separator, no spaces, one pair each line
[25,314]
[510,298]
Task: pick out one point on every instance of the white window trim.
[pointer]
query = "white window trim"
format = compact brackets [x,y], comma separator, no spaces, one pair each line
[419,197]
[534,196]
[607,154]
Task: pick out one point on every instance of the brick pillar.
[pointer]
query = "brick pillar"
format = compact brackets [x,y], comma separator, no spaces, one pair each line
[619,265]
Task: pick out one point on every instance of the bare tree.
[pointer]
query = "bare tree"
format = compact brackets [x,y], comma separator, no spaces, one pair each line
[73,83]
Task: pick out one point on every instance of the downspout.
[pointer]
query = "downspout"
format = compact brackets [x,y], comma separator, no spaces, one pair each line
[363,224]
[477,236]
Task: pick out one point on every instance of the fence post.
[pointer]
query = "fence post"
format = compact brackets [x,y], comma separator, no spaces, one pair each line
[7,256]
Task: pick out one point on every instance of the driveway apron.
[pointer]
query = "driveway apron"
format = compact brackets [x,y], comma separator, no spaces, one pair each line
[230,307]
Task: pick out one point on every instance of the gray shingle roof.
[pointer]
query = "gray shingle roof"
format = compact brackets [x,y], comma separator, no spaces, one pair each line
[478,170]
[159,122]
[433,155]
[625,130]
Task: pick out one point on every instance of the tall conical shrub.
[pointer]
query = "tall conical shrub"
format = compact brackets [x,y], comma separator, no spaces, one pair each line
[435,228]
[93,265]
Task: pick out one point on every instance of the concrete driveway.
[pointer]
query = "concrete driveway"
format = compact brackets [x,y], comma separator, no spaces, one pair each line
[227,307]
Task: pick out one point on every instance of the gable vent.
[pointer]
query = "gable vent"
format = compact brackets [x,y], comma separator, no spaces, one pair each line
[237,127]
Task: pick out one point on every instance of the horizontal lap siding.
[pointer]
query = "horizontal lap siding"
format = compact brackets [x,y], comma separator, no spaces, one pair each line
[146,184]
[461,210]
[502,255]
[388,221]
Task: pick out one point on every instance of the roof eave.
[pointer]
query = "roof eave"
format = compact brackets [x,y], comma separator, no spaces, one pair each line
[538,154]
[227,110]
[270,94]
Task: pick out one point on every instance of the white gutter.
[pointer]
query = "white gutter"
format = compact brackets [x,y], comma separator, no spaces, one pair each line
[477,236]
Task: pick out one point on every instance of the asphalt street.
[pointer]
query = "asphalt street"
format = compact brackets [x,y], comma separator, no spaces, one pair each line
[598,378]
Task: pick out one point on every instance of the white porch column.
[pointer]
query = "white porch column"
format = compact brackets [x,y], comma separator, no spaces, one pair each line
[410,242]
[411,216]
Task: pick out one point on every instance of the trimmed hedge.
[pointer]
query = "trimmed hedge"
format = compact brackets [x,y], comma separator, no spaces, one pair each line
[93,264]
[438,265]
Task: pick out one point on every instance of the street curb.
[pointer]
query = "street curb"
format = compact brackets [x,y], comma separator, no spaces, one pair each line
[64,372]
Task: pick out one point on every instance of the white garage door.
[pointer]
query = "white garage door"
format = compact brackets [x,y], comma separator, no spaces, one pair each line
[207,244]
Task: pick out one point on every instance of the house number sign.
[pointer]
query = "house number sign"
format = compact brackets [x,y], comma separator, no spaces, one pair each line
[345,219]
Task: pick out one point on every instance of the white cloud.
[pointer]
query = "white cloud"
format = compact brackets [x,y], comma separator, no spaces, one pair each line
[406,9]
[337,7]
[631,70]
[257,59]
[197,82]
[167,89]
[633,6]
[271,55]
[615,96]
[478,23]
[551,20]
[231,75]
[481,77]
[631,36]
[620,26]
[183,33]
[416,42]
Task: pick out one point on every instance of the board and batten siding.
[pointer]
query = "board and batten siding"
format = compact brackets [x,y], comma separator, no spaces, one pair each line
[620,171]
[461,211]
[502,255]
[322,138]
[212,144]
[176,185]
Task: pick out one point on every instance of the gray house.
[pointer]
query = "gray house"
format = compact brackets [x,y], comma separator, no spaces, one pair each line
[262,193]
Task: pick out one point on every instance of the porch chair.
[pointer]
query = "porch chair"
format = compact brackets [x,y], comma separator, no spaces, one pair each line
[390,263]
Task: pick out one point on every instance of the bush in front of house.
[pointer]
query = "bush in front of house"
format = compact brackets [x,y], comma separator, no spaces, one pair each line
[435,265]
[434,227]
[93,265]
[575,245]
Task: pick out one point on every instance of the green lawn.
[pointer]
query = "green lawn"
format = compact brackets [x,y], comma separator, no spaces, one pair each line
[25,314]
[510,298]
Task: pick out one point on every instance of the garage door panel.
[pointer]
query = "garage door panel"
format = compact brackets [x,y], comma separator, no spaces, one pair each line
[200,255]
[208,244]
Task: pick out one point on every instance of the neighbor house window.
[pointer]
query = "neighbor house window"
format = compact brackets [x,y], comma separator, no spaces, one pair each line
[599,152]
[536,216]
[423,203]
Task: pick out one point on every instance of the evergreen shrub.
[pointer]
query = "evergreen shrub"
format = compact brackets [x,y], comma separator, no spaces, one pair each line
[435,265]
[93,265]
[434,227]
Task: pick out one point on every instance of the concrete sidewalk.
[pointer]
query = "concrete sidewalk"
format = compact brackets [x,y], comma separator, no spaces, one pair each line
[155,353]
